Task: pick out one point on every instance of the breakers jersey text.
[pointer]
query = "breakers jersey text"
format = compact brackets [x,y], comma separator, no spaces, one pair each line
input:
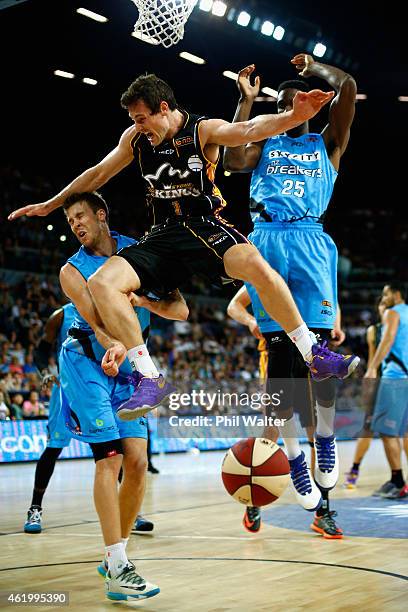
[179,179]
[294,177]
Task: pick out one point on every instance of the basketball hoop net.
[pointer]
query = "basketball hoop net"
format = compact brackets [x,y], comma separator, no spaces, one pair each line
[161,22]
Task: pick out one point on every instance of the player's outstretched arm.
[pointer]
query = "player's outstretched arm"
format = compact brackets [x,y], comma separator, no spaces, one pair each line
[90,180]
[237,310]
[75,288]
[341,113]
[173,307]
[245,157]
[305,106]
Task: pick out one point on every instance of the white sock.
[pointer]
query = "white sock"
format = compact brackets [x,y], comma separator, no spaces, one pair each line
[290,437]
[304,340]
[117,559]
[125,541]
[325,420]
[141,361]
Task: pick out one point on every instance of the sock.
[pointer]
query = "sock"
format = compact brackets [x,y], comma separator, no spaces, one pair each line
[304,340]
[125,541]
[290,437]
[324,508]
[397,478]
[141,361]
[117,559]
[356,467]
[325,420]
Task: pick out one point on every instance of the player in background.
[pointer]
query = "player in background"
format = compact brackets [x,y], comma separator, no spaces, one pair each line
[390,416]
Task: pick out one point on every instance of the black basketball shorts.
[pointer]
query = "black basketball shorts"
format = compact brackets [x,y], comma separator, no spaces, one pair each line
[288,375]
[172,252]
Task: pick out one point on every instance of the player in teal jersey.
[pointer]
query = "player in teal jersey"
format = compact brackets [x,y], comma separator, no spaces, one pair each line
[90,397]
[390,417]
[293,175]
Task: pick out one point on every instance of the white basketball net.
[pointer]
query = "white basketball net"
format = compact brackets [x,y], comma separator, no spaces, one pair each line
[162,21]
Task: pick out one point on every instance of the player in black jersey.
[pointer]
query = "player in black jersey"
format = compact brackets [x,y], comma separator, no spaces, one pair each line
[178,154]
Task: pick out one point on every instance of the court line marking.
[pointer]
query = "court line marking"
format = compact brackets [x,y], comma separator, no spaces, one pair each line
[319,563]
[152,536]
[85,522]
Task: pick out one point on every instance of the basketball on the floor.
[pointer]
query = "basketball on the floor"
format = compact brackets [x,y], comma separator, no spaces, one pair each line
[255,471]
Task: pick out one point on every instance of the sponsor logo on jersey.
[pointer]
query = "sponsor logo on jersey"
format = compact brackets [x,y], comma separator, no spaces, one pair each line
[324,311]
[181,142]
[173,192]
[215,237]
[166,152]
[154,178]
[326,303]
[298,170]
[305,157]
[195,163]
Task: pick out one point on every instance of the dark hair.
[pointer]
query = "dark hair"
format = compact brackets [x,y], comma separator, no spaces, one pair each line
[92,198]
[398,286]
[301,85]
[150,89]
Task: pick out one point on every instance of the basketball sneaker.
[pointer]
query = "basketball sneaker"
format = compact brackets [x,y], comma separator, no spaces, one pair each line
[307,492]
[102,568]
[129,585]
[326,471]
[387,486]
[142,525]
[148,394]
[33,522]
[351,479]
[326,526]
[325,363]
[395,492]
[252,519]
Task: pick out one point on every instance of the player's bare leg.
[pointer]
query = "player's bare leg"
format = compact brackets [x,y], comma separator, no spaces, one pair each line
[244,262]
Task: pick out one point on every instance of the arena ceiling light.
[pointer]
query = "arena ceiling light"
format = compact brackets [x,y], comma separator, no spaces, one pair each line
[267,28]
[191,57]
[361,96]
[219,8]
[243,19]
[206,5]
[95,16]
[64,74]
[319,49]
[145,38]
[403,98]
[230,75]
[89,81]
[278,33]
[270,92]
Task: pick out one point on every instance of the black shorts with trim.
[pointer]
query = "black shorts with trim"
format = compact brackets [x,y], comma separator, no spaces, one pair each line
[288,373]
[172,252]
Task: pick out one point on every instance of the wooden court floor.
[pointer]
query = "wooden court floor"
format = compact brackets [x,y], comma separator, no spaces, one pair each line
[200,555]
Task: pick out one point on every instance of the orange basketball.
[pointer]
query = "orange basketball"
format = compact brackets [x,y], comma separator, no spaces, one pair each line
[255,471]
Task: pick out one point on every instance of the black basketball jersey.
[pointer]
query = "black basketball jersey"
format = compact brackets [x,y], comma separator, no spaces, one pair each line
[179,179]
